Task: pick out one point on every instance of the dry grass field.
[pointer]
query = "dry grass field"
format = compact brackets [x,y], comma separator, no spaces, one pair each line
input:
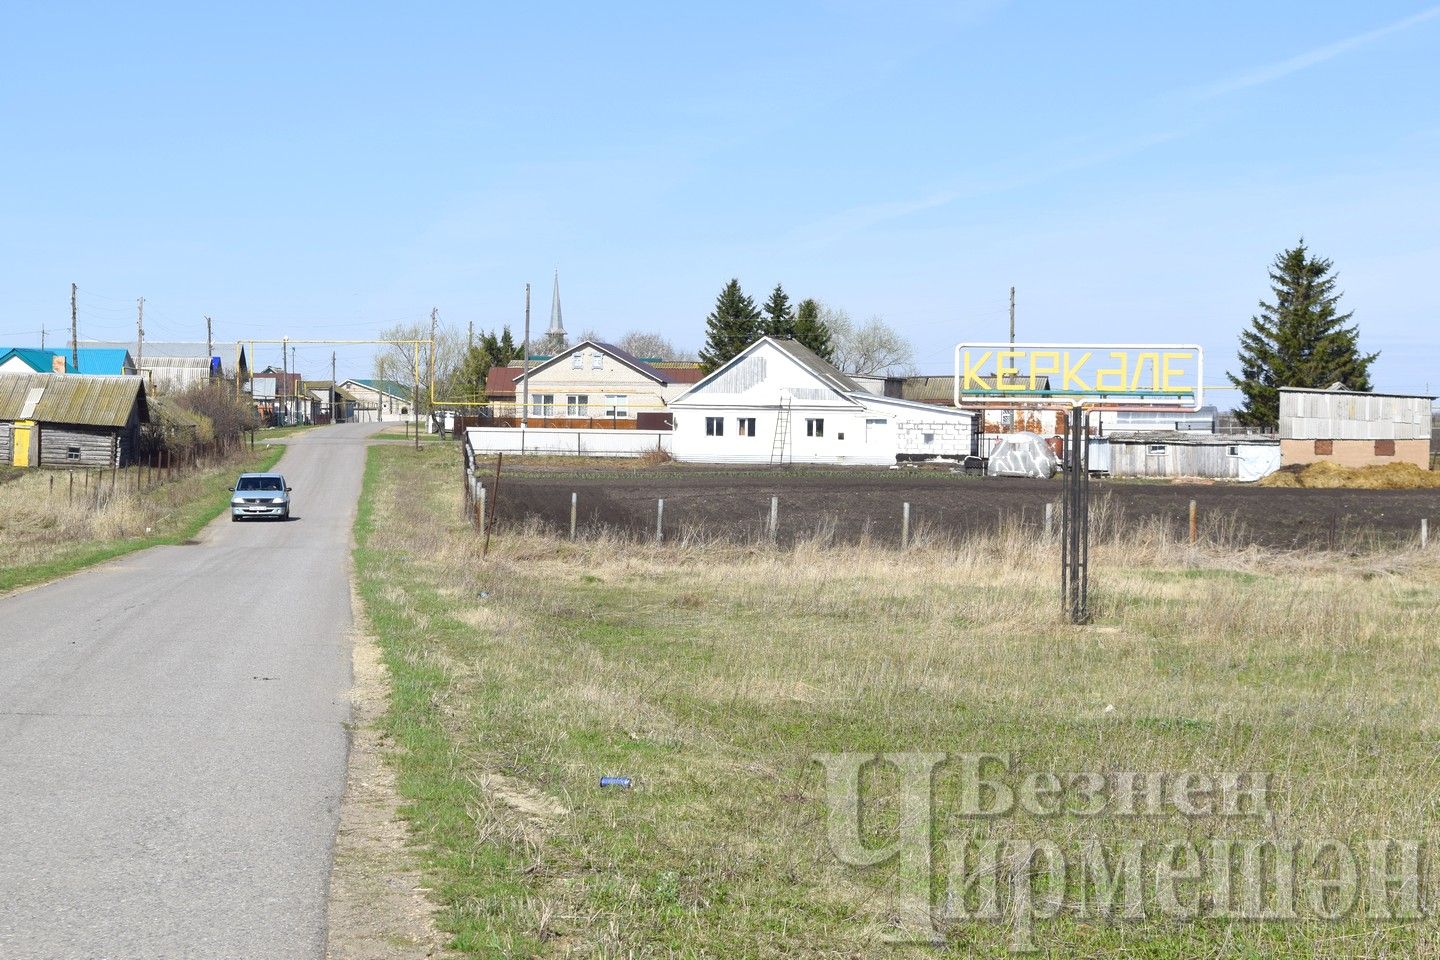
[55,521]
[713,674]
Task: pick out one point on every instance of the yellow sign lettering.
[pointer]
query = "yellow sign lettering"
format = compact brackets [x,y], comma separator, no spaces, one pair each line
[1071,379]
[972,379]
[1042,364]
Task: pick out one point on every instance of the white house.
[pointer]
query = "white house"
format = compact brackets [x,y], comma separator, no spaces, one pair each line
[777,402]
[378,399]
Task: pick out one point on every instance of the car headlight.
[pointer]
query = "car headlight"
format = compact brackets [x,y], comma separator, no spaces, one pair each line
[236,501]
[277,500]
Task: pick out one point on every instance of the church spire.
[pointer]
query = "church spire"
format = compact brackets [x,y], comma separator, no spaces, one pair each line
[557,322]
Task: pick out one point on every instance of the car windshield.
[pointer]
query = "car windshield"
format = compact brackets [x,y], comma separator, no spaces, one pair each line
[259,483]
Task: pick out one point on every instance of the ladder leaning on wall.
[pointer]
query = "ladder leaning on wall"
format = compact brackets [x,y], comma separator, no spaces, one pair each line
[781,443]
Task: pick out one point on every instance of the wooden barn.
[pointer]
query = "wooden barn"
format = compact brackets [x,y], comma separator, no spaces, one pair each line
[70,421]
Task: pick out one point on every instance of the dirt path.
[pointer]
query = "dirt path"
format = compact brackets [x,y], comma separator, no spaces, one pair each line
[379,908]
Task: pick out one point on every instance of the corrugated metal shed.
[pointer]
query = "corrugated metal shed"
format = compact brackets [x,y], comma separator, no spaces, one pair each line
[82,400]
[1350,415]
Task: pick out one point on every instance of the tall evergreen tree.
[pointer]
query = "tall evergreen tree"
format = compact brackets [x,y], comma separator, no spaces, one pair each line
[779,319]
[811,330]
[1299,340]
[731,327]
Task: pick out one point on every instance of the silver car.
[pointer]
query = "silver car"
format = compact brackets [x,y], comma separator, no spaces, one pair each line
[260,495]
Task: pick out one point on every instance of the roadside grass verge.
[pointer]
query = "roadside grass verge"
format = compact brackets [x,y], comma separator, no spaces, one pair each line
[712,675]
[48,530]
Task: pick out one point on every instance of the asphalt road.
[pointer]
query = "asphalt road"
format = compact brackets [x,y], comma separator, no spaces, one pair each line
[172,736]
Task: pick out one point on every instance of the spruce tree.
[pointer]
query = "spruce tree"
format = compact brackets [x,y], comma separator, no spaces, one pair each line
[779,320]
[1299,340]
[730,328]
[812,331]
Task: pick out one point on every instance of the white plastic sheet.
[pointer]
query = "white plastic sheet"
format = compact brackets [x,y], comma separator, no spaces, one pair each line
[1257,462]
[1022,455]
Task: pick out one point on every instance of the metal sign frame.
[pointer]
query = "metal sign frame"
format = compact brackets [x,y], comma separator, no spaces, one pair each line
[1078,405]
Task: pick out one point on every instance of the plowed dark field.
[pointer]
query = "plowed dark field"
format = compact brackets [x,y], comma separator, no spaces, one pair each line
[854,503]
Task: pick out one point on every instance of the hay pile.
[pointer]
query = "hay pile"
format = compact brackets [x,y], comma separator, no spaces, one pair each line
[1332,476]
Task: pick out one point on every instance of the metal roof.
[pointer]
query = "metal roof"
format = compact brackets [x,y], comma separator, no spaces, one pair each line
[1180,438]
[393,388]
[816,364]
[624,356]
[84,400]
[37,359]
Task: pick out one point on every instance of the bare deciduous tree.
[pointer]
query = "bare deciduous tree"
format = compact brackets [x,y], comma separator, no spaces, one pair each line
[870,349]
[641,343]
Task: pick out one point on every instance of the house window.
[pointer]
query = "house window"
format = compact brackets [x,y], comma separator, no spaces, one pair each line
[577,360]
[714,426]
[72,453]
[1232,451]
[542,405]
[929,438]
[1155,450]
[616,406]
[814,427]
[746,426]
[577,404]
[597,361]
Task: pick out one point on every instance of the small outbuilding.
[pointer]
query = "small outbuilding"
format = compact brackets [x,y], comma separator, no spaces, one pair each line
[1354,428]
[70,421]
[1175,453]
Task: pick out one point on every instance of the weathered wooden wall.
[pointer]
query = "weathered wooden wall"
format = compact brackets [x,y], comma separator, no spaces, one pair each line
[5,449]
[97,446]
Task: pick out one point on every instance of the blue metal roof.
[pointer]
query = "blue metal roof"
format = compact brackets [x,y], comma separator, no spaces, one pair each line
[103,361]
[41,361]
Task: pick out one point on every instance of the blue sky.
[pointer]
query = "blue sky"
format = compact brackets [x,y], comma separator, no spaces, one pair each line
[324,170]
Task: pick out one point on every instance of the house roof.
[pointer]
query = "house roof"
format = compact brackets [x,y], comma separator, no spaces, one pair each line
[1354,393]
[813,362]
[1180,438]
[624,356]
[98,401]
[158,348]
[37,359]
[94,361]
[821,369]
[391,388]
[500,381]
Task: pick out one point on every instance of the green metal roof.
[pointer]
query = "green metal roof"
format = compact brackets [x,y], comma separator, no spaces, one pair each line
[85,400]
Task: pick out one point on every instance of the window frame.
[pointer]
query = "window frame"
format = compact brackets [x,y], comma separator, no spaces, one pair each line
[577,405]
[815,427]
[542,405]
[617,406]
[597,360]
[714,426]
[745,427]
[577,360]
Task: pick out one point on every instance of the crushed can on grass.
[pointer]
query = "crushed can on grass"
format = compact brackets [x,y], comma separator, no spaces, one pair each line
[622,782]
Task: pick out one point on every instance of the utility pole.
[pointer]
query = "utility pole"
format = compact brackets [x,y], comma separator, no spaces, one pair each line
[525,393]
[209,339]
[284,379]
[74,330]
[42,336]
[294,386]
[139,333]
[430,364]
[1012,316]
[470,337]
[1014,414]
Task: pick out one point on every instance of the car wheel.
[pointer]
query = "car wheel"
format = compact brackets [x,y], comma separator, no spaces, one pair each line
[285,514]
[234,518]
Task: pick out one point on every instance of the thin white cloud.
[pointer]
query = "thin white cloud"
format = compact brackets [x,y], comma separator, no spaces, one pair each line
[1304,61]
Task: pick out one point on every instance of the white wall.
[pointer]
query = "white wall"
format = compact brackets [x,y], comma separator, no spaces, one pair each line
[587,443]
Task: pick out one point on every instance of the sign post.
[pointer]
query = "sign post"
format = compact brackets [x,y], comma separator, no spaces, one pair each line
[1078,380]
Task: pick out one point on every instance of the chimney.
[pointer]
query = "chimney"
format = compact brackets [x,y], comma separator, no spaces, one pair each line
[57,363]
